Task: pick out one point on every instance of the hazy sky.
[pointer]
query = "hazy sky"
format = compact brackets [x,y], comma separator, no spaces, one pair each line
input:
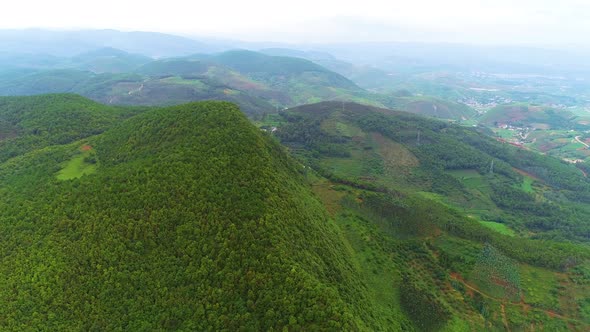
[476,21]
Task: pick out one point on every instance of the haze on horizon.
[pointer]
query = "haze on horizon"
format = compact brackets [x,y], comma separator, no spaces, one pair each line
[526,22]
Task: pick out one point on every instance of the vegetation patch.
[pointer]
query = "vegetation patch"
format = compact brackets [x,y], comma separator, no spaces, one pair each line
[498,227]
[539,287]
[395,155]
[527,184]
[83,163]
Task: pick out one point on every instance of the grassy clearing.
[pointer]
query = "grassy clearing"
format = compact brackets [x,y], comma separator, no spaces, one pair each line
[179,80]
[348,167]
[527,184]
[471,179]
[271,120]
[498,227]
[504,133]
[395,155]
[78,166]
[347,130]
[571,147]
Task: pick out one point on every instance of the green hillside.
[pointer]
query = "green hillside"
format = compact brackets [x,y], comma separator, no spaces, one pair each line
[270,68]
[174,67]
[258,83]
[430,106]
[534,116]
[108,60]
[31,123]
[455,242]
[128,88]
[192,219]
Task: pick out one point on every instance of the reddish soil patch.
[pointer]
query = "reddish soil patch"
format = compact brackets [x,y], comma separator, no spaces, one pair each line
[525,307]
[521,172]
[329,196]
[520,146]
[86,147]
[500,282]
[551,313]
[457,276]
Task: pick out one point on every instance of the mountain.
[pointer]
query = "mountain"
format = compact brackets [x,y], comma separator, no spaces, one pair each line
[71,43]
[534,116]
[429,106]
[109,60]
[186,217]
[299,81]
[392,88]
[469,232]
[258,82]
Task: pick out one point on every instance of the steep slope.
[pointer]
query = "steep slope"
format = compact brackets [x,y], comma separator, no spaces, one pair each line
[193,220]
[28,123]
[460,231]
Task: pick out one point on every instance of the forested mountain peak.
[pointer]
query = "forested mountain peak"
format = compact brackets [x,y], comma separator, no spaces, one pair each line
[192,219]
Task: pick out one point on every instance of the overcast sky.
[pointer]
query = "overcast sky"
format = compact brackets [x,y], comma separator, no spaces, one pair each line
[473,21]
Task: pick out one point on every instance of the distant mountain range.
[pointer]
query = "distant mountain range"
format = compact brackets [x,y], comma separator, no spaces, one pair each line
[71,43]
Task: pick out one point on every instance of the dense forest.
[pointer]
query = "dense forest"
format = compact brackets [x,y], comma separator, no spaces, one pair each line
[330,216]
[193,219]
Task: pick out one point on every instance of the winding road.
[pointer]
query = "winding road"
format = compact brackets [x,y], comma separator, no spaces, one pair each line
[580,141]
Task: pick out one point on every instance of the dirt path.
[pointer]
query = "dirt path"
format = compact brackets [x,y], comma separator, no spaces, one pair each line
[504,319]
[503,302]
[136,90]
[580,141]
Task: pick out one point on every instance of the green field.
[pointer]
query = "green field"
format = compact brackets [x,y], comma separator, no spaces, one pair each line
[179,80]
[504,133]
[470,178]
[78,166]
[527,184]
[498,227]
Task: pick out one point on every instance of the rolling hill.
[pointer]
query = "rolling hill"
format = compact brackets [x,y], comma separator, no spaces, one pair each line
[108,60]
[533,116]
[430,106]
[191,218]
[231,76]
[37,122]
[282,80]
[483,235]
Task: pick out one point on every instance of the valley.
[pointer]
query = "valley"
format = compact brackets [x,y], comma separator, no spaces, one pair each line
[211,187]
